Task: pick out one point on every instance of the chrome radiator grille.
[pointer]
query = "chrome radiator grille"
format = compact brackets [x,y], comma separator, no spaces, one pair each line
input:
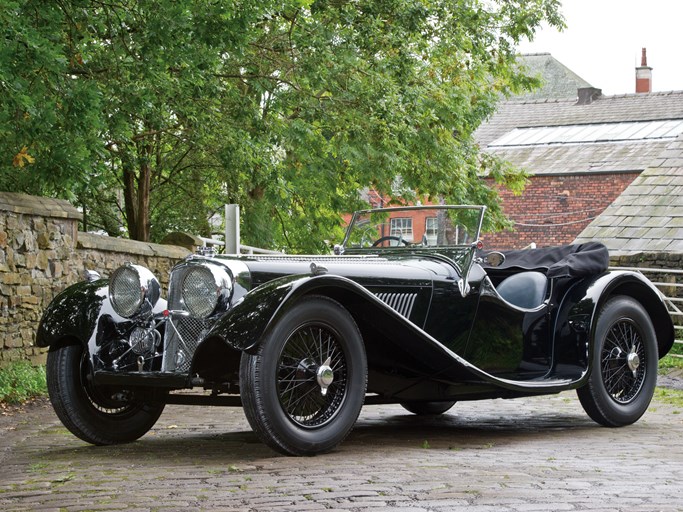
[183,336]
[402,303]
[181,345]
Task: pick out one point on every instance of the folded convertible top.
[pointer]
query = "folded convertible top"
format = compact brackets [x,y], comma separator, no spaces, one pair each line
[565,261]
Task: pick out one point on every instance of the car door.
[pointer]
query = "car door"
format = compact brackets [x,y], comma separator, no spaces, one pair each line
[508,341]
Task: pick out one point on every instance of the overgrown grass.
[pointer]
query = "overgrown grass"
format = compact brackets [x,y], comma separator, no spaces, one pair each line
[669,396]
[20,381]
[670,361]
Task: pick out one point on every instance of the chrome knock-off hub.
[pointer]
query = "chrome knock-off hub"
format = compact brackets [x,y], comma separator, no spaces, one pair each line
[325,376]
[633,360]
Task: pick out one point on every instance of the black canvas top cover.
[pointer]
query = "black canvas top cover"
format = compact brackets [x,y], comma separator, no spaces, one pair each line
[565,261]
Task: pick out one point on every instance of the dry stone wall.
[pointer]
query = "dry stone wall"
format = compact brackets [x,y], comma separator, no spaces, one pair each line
[667,269]
[667,276]
[42,252]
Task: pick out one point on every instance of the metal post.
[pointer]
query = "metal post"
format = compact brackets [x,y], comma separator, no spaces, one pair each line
[232,229]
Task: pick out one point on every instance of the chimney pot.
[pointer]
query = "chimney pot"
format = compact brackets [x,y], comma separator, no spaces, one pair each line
[643,75]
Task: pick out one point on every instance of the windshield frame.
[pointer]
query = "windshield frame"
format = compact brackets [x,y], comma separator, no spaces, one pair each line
[360,213]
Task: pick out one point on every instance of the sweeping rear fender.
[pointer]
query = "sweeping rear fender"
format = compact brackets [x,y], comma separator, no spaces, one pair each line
[578,315]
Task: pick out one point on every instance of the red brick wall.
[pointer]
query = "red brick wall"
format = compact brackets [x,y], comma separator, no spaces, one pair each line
[553,210]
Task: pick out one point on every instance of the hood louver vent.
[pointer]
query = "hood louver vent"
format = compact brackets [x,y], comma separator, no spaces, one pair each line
[402,303]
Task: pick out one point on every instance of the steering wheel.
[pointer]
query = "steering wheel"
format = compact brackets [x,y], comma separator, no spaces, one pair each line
[390,237]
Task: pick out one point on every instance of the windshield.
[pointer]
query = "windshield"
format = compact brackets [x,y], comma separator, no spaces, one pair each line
[425,226]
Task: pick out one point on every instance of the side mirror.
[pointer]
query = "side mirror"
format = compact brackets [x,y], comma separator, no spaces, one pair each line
[494,259]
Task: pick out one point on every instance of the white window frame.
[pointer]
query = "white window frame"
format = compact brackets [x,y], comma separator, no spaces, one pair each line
[431,230]
[401,227]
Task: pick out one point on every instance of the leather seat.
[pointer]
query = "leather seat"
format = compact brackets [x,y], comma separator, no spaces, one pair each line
[525,290]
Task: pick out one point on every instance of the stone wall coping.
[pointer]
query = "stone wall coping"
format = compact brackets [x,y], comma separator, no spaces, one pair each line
[111,244]
[639,256]
[181,239]
[39,206]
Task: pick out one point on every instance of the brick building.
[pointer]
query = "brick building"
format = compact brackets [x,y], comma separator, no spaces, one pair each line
[582,150]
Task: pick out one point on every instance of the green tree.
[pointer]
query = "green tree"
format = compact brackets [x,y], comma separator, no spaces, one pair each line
[153,113]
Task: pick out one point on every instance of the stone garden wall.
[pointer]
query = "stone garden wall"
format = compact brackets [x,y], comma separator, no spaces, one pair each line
[665,269]
[672,262]
[42,252]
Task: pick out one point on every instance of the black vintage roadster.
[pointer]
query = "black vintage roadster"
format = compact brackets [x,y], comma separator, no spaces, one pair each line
[409,310]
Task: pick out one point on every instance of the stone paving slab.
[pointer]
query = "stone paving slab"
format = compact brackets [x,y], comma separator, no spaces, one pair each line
[522,455]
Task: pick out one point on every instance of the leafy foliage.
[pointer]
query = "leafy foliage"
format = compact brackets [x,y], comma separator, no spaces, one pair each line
[20,382]
[151,114]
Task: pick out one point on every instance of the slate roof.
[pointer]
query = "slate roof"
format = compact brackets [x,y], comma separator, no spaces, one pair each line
[558,81]
[577,158]
[648,215]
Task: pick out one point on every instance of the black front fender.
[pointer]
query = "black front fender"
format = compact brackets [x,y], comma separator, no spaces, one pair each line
[73,313]
[82,313]
[247,324]
[250,319]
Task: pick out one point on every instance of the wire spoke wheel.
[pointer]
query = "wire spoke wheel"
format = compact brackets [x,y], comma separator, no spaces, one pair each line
[623,362]
[100,415]
[102,398]
[303,389]
[300,393]
[623,368]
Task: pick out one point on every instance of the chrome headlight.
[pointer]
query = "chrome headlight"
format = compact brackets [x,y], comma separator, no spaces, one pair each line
[204,287]
[131,288]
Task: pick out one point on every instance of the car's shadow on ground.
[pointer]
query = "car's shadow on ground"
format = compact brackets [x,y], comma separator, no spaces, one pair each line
[214,445]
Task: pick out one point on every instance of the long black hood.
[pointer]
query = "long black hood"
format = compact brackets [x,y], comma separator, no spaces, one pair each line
[416,270]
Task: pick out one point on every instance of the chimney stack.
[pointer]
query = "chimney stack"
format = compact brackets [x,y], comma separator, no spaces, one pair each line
[586,95]
[643,75]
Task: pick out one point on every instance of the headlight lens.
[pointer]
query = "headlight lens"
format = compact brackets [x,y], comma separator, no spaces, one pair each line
[203,288]
[131,288]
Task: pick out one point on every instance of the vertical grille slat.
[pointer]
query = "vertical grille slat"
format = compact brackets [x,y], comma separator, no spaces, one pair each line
[402,303]
[191,330]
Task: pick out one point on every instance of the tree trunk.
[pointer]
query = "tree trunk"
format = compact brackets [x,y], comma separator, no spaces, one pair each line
[130,200]
[136,195]
[143,221]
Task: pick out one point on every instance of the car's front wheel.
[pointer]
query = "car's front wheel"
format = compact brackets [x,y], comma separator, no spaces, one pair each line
[624,364]
[96,414]
[303,389]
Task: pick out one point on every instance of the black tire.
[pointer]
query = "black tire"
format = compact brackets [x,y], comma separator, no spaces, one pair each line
[281,385]
[624,364]
[91,412]
[427,408]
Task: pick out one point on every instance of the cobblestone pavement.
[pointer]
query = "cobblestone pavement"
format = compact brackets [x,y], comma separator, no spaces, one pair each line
[531,454]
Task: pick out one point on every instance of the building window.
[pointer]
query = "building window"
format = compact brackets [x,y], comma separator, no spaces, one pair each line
[402,227]
[431,230]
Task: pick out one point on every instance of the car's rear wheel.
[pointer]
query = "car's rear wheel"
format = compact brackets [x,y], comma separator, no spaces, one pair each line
[303,389]
[427,408]
[96,414]
[624,365]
